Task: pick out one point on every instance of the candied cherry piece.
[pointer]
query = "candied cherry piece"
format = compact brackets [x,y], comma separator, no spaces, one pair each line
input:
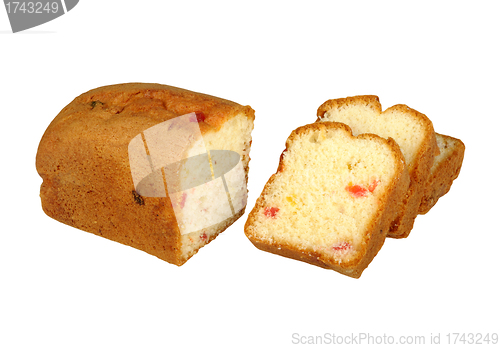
[271,212]
[183,199]
[356,191]
[342,246]
[203,236]
[198,117]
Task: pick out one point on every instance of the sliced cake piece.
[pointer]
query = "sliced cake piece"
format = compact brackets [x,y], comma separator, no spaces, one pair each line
[412,131]
[332,200]
[445,169]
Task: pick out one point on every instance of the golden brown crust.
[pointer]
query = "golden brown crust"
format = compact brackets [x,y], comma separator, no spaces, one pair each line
[83,161]
[419,173]
[420,168]
[371,101]
[443,175]
[378,227]
[157,102]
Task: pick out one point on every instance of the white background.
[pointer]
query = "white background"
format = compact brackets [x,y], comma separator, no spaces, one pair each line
[61,287]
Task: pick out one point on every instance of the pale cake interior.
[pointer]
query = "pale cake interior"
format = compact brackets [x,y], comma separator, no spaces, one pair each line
[327,193]
[234,135]
[401,126]
[446,147]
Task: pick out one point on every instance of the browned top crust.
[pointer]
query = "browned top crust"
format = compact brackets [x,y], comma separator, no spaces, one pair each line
[159,102]
[115,114]
[371,101]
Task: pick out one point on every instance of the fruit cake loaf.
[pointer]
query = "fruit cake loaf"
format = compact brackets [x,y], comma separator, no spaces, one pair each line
[332,199]
[413,132]
[444,171]
[158,168]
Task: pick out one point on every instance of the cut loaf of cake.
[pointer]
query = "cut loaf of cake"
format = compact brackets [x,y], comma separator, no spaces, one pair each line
[413,132]
[332,200]
[445,169]
[158,168]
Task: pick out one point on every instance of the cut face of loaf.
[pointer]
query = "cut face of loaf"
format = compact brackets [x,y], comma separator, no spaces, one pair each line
[143,165]
[445,169]
[231,175]
[412,131]
[332,200]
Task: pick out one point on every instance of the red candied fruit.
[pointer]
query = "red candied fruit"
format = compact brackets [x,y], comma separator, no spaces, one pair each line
[357,191]
[271,212]
[198,117]
[373,185]
[183,199]
[203,236]
[179,201]
[342,246]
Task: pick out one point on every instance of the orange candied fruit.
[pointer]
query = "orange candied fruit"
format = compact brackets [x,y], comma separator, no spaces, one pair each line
[271,212]
[359,191]
[356,190]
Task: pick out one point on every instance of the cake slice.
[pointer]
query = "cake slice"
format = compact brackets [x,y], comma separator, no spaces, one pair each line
[332,200]
[445,169]
[413,132]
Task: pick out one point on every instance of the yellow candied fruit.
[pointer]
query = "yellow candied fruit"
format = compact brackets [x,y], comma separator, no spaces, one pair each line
[291,200]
